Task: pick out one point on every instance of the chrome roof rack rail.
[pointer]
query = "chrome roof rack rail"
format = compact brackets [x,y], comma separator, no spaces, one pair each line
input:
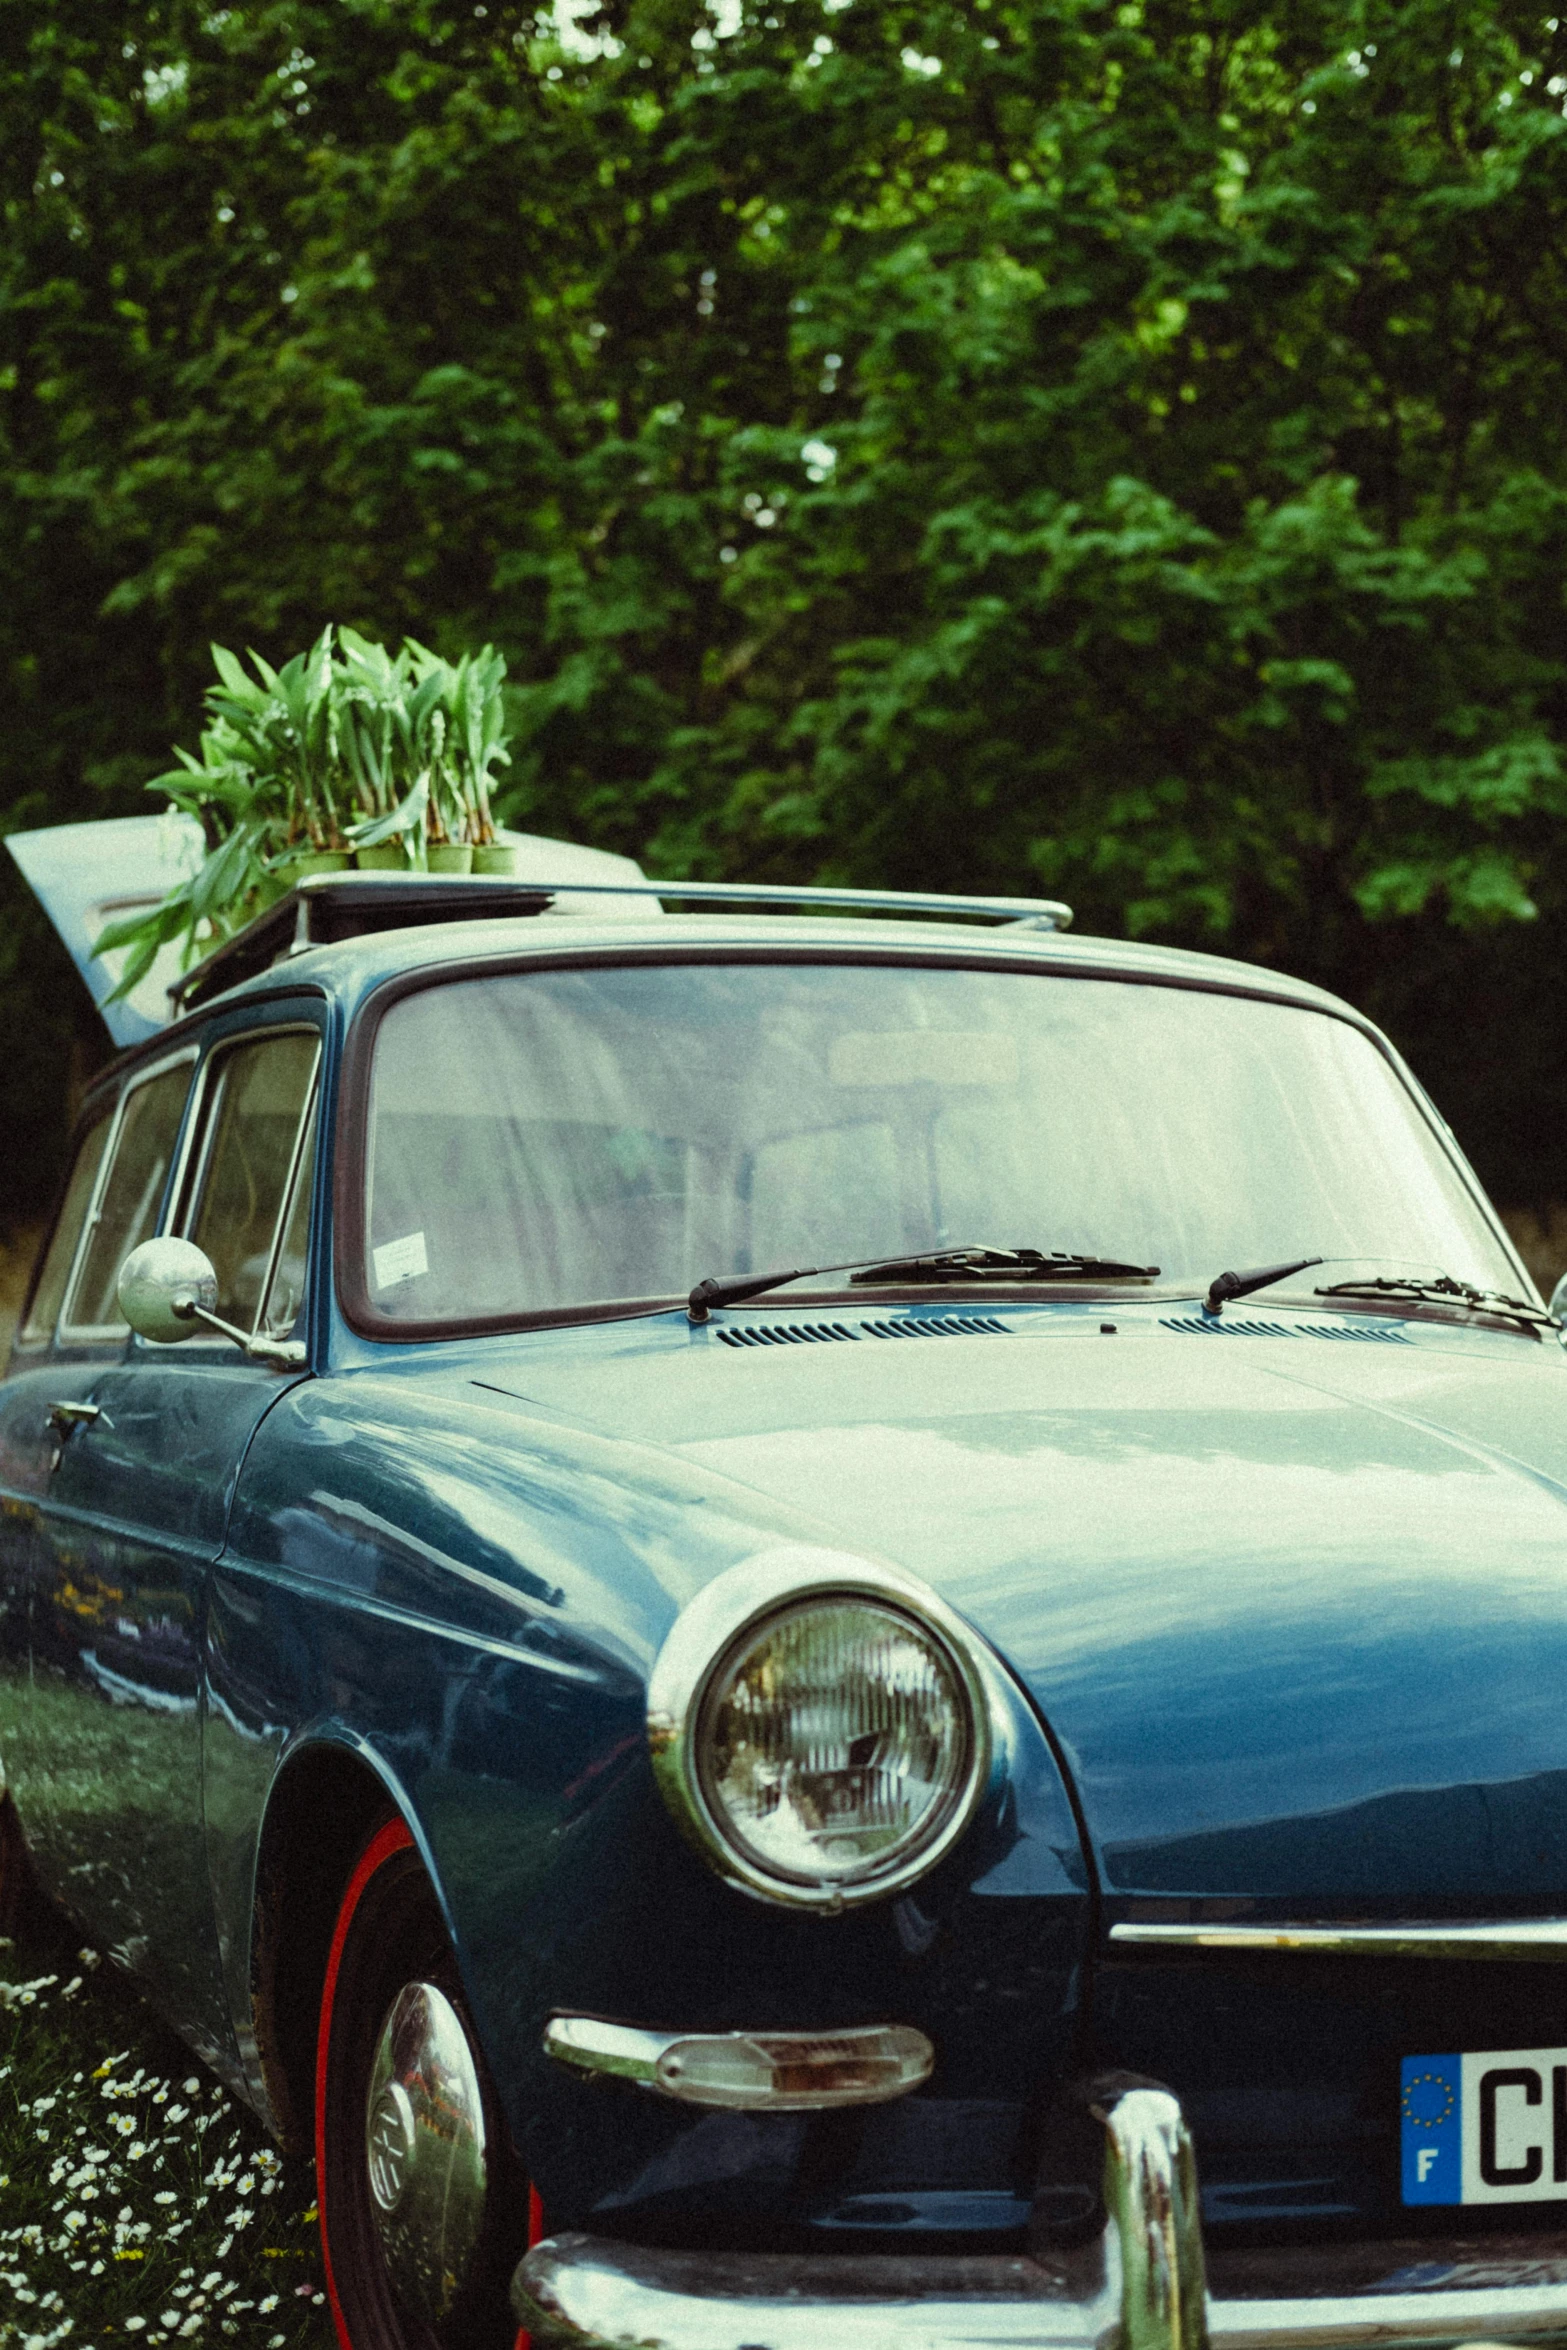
[1027,913]
[326,907]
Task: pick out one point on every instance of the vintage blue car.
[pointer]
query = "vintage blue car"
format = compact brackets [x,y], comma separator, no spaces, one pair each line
[833,1630]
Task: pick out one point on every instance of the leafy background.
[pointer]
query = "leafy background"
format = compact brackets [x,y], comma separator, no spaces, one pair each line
[1112,450]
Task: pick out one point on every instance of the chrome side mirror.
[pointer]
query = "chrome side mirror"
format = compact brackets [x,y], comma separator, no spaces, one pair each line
[167,1291]
[160,1277]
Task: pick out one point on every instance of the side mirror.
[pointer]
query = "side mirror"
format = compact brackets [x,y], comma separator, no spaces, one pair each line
[159,1278]
[167,1292]
[1559,1299]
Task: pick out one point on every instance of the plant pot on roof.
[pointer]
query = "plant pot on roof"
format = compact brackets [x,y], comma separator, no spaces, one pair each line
[347,753]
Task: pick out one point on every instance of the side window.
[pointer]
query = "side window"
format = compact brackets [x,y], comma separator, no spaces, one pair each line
[252,1189]
[49,1295]
[287,1293]
[126,1212]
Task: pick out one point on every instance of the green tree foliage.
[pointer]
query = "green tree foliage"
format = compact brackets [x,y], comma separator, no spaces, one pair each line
[1112,449]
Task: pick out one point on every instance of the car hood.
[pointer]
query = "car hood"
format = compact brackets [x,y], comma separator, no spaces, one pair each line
[1296,1613]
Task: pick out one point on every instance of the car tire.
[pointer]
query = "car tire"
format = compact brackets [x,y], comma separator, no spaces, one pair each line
[391,2285]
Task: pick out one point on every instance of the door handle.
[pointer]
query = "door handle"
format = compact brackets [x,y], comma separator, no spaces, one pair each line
[63,1417]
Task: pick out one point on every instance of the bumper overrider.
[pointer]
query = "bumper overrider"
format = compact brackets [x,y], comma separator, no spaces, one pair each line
[1143,2284]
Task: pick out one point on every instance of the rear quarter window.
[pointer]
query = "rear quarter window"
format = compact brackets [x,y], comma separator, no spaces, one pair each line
[60,1255]
[130,1195]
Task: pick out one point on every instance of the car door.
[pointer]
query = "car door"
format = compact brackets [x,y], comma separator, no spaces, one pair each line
[70,1586]
[41,1387]
[136,1511]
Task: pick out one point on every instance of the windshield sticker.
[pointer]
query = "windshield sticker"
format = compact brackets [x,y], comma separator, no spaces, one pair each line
[400,1260]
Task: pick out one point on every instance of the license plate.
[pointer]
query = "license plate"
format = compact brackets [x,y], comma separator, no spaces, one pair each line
[1486,2128]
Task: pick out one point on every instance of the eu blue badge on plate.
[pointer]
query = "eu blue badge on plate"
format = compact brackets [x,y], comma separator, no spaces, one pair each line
[1431,2118]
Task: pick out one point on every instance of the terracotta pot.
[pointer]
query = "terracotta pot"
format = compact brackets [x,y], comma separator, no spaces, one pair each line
[450,856]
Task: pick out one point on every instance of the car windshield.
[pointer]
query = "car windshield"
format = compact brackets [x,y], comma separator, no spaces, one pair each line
[558,1138]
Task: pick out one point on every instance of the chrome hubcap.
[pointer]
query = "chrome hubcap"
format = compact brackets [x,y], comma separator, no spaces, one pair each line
[424,2150]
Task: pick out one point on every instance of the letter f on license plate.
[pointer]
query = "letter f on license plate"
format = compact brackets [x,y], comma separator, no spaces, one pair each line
[1486,2128]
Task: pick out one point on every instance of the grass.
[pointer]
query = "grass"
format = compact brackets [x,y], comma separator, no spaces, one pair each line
[139,2202]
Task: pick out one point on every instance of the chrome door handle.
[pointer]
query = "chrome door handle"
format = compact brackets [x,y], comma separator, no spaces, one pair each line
[63,1417]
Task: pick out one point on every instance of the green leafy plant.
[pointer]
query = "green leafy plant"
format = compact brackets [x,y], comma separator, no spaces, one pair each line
[347,747]
[421,740]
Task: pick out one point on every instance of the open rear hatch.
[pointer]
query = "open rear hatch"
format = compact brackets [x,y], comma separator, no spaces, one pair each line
[86,876]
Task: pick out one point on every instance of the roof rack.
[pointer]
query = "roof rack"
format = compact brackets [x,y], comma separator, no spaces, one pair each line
[1032,913]
[324,908]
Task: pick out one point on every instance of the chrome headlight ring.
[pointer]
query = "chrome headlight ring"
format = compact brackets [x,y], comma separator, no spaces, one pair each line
[715,1629]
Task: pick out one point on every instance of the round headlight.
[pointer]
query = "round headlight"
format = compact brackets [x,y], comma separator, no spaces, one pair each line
[834,1739]
[829,1749]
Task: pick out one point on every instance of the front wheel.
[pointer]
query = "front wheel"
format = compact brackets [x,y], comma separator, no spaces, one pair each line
[424,2211]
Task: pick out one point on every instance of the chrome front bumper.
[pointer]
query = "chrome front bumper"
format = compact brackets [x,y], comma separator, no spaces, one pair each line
[1140,2286]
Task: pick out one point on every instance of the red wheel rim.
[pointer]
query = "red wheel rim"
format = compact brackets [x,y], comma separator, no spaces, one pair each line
[394,1837]
[524,2339]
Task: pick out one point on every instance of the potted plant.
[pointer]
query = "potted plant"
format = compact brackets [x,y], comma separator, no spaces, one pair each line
[348,753]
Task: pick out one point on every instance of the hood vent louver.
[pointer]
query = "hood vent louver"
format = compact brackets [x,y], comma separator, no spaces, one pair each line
[1217,1326]
[782,1333]
[939,1326]
[906,1326]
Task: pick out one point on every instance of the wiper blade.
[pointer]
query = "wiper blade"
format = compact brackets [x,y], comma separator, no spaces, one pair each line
[1004,1264]
[1442,1289]
[978,1262]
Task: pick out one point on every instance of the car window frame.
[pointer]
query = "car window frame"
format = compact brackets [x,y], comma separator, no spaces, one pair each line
[183,1199]
[307,1139]
[97,1110]
[352,1109]
[68,1333]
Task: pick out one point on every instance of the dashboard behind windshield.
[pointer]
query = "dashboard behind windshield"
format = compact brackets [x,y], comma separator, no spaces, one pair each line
[599,1135]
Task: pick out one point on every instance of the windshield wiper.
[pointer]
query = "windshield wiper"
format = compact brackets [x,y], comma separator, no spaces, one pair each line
[974,1263]
[1228,1285]
[1004,1264]
[1442,1289]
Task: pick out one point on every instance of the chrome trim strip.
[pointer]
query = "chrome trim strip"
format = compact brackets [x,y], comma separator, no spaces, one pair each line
[1539,1939]
[704,1632]
[671,2062]
[1033,913]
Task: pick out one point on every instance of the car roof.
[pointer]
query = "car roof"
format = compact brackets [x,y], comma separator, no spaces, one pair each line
[350,970]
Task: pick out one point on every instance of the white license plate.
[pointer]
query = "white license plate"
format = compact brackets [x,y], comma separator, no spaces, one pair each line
[1487,2128]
